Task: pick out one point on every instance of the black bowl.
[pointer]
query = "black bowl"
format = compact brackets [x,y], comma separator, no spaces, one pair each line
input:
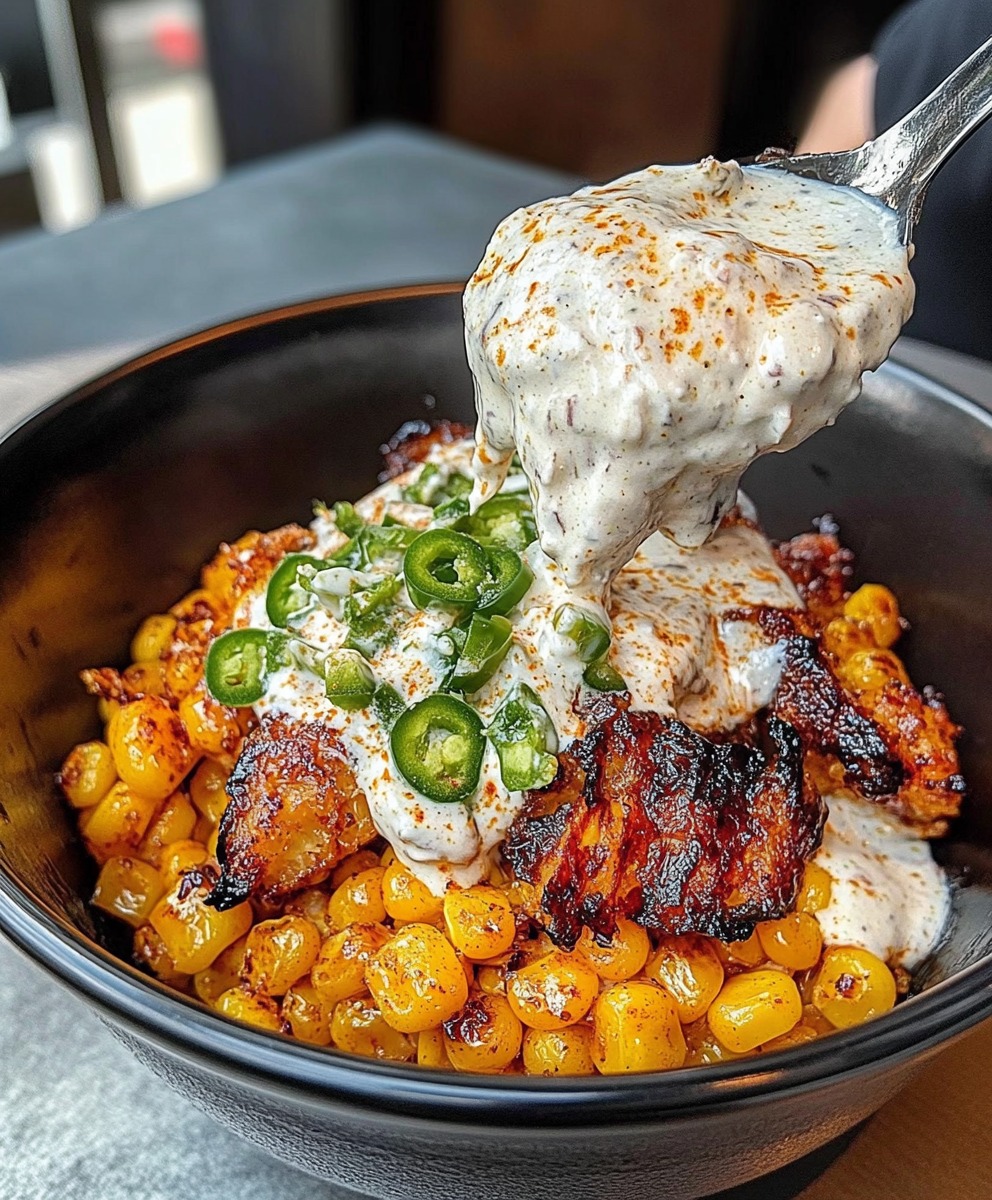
[110,500]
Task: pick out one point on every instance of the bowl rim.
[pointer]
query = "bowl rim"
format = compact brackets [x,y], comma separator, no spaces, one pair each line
[186,1028]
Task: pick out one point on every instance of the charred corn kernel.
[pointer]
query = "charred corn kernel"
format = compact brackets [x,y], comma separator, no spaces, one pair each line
[193,933]
[702,1048]
[212,728]
[416,979]
[623,957]
[312,904]
[690,970]
[746,953]
[798,1035]
[307,1015]
[118,823]
[552,992]
[146,678]
[870,670]
[128,888]
[358,900]
[814,895]
[181,856]
[87,774]
[559,1051]
[150,747]
[491,980]
[354,864]
[842,638]
[479,921]
[406,898]
[339,972]
[207,789]
[153,638]
[174,822]
[223,973]
[636,1028]
[753,1008]
[149,950]
[106,708]
[279,952]
[876,610]
[251,1010]
[794,942]
[852,986]
[430,1049]
[358,1027]
[485,1036]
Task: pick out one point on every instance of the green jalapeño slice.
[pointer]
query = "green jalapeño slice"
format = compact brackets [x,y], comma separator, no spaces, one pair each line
[525,740]
[285,597]
[445,569]
[507,582]
[438,747]
[590,636]
[239,663]
[349,680]
[488,640]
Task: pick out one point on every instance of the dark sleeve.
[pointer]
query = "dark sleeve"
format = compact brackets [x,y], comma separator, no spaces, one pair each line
[915,51]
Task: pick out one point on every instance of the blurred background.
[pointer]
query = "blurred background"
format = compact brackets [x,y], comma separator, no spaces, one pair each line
[135,102]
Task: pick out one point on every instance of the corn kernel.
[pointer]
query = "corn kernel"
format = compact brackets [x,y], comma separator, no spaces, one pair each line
[814,895]
[702,1048]
[146,678]
[794,941]
[876,610]
[387,857]
[117,824]
[430,1049]
[207,789]
[212,728]
[871,670]
[213,842]
[746,953]
[106,708]
[491,980]
[149,950]
[798,1035]
[559,1051]
[181,856]
[150,747]
[153,638]
[259,1011]
[223,973]
[689,969]
[754,1007]
[623,957]
[129,889]
[852,986]
[552,992]
[479,921]
[312,904]
[636,1028]
[416,979]
[354,864]
[842,638]
[358,901]
[279,952]
[307,1015]
[87,774]
[407,898]
[183,671]
[174,822]
[485,1036]
[339,972]
[358,1027]
[194,933]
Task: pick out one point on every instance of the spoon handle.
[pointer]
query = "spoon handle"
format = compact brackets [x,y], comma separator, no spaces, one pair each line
[901,162]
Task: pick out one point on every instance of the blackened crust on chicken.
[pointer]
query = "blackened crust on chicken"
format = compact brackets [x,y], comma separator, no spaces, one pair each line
[412,442]
[651,821]
[825,715]
[294,812]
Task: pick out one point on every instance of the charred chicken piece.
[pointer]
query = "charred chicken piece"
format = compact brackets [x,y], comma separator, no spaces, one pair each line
[295,811]
[649,820]
[412,442]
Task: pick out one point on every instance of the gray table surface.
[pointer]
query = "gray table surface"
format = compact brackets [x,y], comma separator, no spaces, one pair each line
[79,1118]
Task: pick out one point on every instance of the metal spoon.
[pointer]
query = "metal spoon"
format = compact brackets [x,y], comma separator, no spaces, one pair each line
[897,166]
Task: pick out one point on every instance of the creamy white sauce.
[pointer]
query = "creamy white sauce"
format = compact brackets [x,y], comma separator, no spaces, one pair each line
[640,343]
[888,894]
[672,643]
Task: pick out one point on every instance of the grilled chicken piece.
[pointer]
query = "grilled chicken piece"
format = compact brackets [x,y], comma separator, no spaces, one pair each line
[295,811]
[649,820]
[412,442]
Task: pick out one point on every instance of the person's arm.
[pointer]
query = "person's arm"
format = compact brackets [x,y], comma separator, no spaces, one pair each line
[843,116]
